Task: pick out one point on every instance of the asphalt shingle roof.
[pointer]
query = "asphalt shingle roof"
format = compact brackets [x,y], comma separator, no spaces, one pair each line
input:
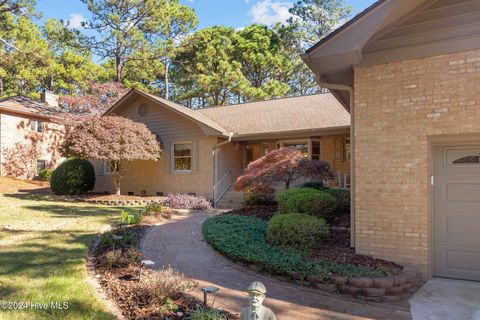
[26,105]
[319,111]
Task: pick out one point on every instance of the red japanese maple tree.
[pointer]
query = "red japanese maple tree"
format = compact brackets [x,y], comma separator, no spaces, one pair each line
[111,139]
[281,165]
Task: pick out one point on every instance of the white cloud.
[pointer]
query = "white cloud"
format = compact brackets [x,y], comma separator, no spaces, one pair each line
[76,20]
[270,12]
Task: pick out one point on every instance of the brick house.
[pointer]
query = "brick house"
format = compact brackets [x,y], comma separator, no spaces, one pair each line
[29,124]
[409,73]
[205,150]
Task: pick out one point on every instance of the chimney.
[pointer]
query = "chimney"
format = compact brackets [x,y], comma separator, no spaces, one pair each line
[49,98]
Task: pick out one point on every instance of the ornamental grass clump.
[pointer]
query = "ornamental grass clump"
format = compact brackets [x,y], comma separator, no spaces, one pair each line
[164,284]
[296,230]
[185,201]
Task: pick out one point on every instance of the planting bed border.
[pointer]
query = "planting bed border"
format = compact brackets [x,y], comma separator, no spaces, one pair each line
[383,288]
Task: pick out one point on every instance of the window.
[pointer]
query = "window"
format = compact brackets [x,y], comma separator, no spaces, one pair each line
[41,165]
[316,153]
[462,156]
[339,149]
[182,157]
[302,146]
[348,155]
[36,126]
[265,148]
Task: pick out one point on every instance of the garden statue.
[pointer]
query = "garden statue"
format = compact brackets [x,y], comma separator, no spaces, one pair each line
[255,310]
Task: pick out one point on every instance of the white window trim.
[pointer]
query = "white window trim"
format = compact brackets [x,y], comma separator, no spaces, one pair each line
[172,157]
[308,141]
[36,126]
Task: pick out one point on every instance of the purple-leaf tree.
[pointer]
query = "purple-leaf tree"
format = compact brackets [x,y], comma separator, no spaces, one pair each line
[281,165]
[112,139]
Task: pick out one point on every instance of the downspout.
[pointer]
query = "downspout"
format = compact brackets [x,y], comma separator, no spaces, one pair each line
[350,90]
[214,158]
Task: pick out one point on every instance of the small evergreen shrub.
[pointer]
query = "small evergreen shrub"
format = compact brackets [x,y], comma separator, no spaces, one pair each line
[45,175]
[72,177]
[296,230]
[342,196]
[185,201]
[131,218]
[154,209]
[259,197]
[308,201]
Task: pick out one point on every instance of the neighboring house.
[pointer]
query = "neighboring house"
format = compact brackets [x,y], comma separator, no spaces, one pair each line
[414,68]
[203,151]
[29,139]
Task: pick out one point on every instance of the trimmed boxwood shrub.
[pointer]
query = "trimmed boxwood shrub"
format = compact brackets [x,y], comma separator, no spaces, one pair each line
[244,239]
[297,230]
[308,201]
[342,196]
[73,176]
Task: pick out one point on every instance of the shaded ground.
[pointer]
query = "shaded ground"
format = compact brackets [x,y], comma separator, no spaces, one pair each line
[43,245]
[179,243]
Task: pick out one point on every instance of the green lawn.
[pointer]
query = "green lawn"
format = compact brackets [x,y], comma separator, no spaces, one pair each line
[43,245]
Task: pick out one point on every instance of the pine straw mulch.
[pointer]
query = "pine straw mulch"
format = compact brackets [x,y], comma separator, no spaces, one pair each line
[122,285]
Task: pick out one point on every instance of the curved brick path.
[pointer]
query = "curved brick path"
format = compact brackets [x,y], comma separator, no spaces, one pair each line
[179,243]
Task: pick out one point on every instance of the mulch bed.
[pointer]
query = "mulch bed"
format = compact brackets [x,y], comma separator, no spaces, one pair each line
[122,285]
[261,212]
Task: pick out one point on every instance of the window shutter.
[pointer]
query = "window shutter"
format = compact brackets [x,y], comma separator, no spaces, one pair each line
[339,150]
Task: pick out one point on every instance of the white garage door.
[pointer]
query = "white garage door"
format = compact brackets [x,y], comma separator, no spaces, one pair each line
[456,217]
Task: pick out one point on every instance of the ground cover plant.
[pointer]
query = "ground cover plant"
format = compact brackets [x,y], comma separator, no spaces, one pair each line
[244,239]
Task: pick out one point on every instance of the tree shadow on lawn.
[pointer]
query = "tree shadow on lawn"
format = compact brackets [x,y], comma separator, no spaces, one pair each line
[82,210]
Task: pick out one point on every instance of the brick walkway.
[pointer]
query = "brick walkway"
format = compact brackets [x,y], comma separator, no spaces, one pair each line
[179,243]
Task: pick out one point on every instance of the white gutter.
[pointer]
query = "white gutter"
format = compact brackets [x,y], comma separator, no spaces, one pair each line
[214,158]
[350,90]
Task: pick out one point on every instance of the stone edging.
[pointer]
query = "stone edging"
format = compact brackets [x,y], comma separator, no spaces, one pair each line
[118,202]
[92,279]
[385,288]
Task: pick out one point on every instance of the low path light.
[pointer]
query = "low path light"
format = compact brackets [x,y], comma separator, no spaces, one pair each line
[115,238]
[206,291]
[146,263]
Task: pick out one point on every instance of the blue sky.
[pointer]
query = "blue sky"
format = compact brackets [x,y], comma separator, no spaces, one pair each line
[234,13]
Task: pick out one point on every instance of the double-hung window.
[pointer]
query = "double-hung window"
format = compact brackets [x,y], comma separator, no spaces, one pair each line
[182,157]
[36,126]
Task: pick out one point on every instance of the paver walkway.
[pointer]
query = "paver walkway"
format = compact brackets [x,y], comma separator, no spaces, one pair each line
[179,243]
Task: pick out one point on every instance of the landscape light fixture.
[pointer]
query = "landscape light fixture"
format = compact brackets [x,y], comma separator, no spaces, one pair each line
[206,291]
[145,263]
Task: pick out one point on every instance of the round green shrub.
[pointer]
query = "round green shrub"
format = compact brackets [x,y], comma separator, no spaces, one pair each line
[296,230]
[342,196]
[74,176]
[45,175]
[308,201]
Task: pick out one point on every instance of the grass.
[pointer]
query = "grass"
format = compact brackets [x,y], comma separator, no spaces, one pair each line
[43,245]
[244,239]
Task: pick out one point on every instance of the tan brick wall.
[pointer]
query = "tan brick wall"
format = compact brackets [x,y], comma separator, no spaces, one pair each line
[328,153]
[153,177]
[15,128]
[398,106]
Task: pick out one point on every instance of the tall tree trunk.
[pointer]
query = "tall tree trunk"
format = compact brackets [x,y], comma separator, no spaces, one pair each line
[166,80]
